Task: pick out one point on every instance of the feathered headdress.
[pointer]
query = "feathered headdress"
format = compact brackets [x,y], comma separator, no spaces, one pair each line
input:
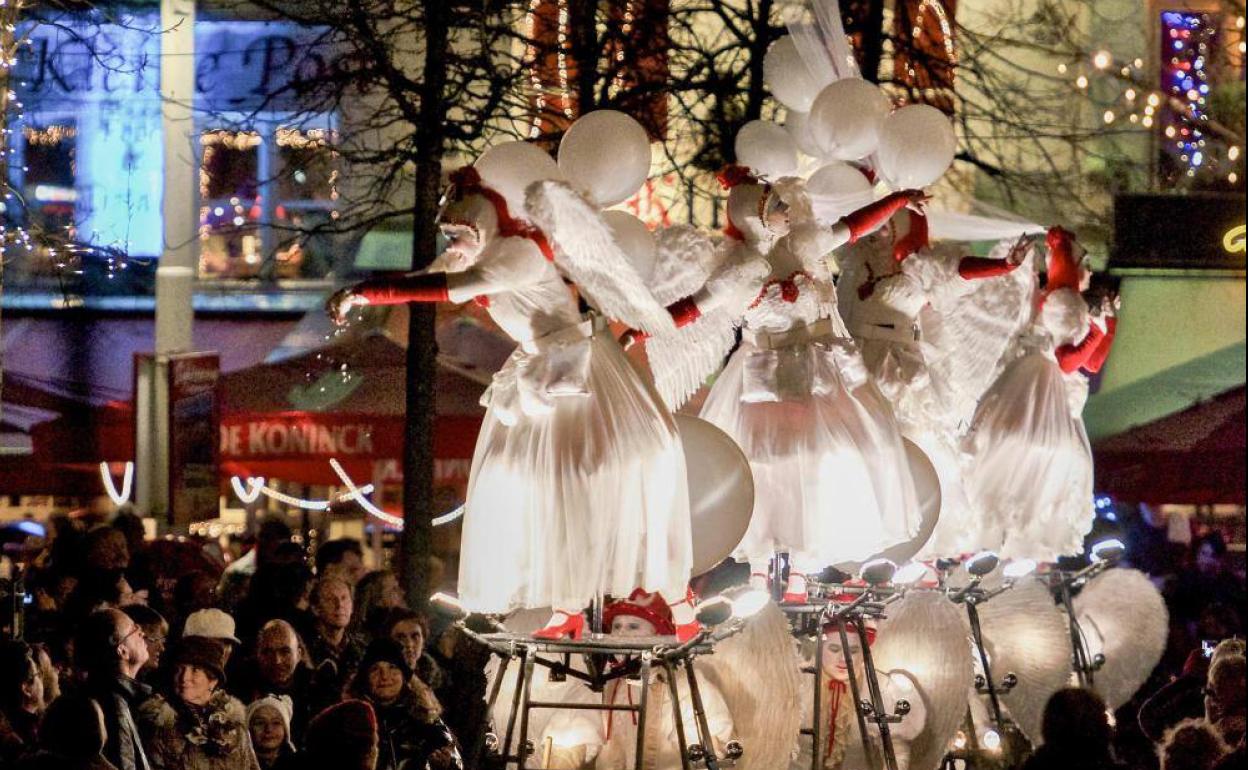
[1063,266]
[466,181]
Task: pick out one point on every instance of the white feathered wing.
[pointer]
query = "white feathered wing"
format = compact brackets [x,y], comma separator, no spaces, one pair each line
[758,673]
[1026,634]
[1123,617]
[586,251]
[923,636]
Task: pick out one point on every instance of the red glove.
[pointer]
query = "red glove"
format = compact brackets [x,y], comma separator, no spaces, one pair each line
[872,217]
[427,287]
[684,311]
[1072,357]
[1097,359]
[973,268]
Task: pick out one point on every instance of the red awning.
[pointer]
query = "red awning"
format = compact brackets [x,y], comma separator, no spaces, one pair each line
[1195,456]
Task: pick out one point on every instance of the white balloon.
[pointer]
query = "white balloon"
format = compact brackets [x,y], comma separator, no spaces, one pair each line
[917,145]
[837,189]
[510,168]
[607,155]
[788,77]
[846,118]
[721,491]
[634,239]
[767,149]
[798,126]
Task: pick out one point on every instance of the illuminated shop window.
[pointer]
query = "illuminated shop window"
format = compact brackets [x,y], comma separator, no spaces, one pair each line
[265,194]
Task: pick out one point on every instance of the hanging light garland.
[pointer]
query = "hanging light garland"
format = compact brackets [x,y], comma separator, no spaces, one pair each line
[122,496]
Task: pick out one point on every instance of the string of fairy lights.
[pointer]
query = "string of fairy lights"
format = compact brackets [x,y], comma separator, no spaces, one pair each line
[1176,102]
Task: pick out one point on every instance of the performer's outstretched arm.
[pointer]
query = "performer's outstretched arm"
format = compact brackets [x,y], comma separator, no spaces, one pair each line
[1072,357]
[1097,359]
[873,216]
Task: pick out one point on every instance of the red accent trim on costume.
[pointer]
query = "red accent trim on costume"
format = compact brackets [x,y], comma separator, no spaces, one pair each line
[839,690]
[915,239]
[1062,270]
[1097,359]
[399,290]
[733,175]
[684,312]
[975,268]
[1072,357]
[733,232]
[655,611]
[467,181]
[789,291]
[481,300]
[872,217]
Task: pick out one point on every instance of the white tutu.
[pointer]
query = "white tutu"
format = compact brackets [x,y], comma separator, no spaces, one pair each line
[1031,477]
[587,496]
[832,483]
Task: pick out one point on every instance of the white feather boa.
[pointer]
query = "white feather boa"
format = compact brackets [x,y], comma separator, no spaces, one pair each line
[1124,618]
[587,253]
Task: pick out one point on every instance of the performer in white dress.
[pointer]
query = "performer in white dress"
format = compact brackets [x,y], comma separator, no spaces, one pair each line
[893,294]
[830,470]
[1031,473]
[578,484]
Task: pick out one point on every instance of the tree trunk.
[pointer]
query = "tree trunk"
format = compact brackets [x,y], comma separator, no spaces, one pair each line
[415,544]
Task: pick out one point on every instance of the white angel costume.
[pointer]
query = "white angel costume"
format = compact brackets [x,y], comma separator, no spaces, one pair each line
[1031,471]
[895,304]
[830,469]
[577,485]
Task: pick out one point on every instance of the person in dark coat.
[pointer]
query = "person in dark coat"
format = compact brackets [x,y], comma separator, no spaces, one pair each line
[71,737]
[1077,734]
[411,733]
[111,651]
[342,737]
[21,701]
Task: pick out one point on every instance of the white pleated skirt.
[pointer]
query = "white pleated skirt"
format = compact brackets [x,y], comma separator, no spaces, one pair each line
[832,483]
[591,498]
[1031,472]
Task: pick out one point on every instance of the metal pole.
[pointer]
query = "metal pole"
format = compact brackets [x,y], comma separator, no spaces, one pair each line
[523,746]
[857,696]
[677,715]
[642,706]
[818,710]
[877,698]
[515,705]
[1083,668]
[699,714]
[978,635]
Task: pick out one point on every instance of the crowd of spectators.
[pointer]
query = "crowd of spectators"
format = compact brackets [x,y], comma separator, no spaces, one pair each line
[134,660]
[270,664]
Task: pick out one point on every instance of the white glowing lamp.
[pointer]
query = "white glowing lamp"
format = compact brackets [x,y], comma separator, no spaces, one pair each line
[1110,549]
[991,740]
[448,605]
[878,571]
[982,563]
[910,574]
[1019,568]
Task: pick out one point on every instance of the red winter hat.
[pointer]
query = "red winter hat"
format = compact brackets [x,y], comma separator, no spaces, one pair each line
[1063,268]
[342,734]
[835,628]
[649,607]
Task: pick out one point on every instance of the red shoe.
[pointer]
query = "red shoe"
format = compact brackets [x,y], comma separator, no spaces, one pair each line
[687,631]
[572,627]
[796,592]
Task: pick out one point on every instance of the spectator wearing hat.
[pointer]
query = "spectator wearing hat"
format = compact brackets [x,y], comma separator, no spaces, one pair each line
[411,733]
[212,623]
[268,722]
[196,725]
[342,737]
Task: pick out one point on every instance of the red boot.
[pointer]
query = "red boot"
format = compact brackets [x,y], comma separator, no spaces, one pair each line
[796,591]
[571,627]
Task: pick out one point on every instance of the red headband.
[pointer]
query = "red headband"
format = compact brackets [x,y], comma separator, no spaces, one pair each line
[467,181]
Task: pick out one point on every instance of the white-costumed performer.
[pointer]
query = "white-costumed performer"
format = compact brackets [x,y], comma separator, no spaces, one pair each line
[920,658]
[578,484]
[1031,463]
[891,291]
[750,690]
[830,470]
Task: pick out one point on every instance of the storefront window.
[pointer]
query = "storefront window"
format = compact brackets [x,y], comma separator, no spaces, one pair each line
[264,194]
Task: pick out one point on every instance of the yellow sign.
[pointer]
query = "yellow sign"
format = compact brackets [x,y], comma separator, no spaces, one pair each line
[1233,241]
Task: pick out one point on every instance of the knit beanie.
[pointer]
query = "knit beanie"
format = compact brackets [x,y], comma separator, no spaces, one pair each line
[385,650]
[282,704]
